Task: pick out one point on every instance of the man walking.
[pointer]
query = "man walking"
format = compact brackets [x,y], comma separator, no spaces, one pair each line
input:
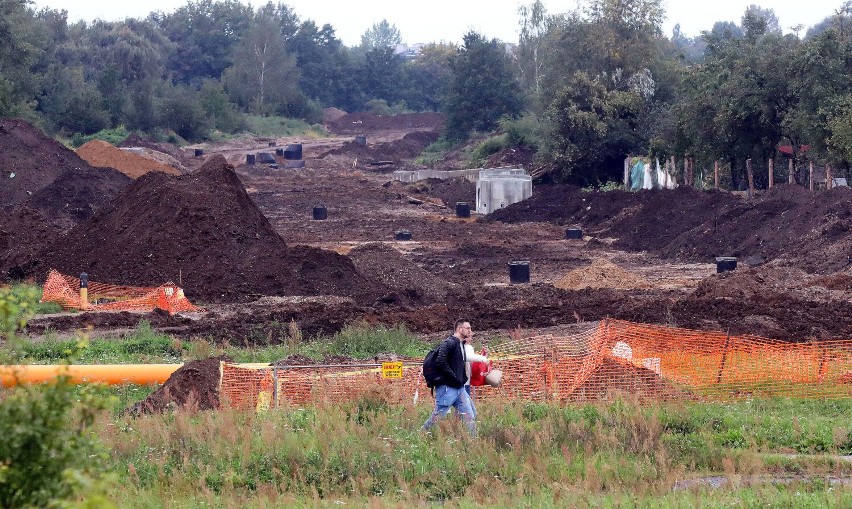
[449,389]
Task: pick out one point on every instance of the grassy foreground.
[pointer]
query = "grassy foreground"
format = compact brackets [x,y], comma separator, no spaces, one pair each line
[370,453]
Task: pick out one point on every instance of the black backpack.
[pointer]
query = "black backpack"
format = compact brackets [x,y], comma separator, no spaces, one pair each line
[430,368]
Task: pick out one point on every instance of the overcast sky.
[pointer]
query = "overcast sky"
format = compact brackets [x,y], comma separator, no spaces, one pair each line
[448,20]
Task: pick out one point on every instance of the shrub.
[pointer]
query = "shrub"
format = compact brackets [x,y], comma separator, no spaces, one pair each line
[48,453]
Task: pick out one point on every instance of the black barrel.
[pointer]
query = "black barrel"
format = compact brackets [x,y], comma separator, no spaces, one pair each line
[462,209]
[199,152]
[402,235]
[265,158]
[279,151]
[250,159]
[361,140]
[291,165]
[293,152]
[320,212]
[574,233]
[519,272]
[725,264]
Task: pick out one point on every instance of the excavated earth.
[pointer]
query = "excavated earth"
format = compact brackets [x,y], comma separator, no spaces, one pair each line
[243,243]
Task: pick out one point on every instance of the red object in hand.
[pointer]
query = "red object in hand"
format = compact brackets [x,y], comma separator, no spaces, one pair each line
[478,370]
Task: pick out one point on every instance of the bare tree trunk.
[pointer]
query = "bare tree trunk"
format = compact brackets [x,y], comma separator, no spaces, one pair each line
[716,174]
[811,175]
[627,173]
[771,172]
[750,178]
[791,177]
[829,181]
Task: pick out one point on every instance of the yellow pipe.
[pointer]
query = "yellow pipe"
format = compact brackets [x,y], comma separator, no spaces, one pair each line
[113,374]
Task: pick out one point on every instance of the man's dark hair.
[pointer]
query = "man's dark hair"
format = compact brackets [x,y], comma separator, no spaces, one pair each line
[459,322]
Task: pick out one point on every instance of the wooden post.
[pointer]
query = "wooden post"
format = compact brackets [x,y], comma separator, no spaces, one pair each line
[716,174]
[771,172]
[828,179]
[750,178]
[791,177]
[687,171]
[724,358]
[84,291]
[627,173]
[811,174]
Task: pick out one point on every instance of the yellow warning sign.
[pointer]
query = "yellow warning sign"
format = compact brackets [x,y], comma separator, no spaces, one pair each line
[391,370]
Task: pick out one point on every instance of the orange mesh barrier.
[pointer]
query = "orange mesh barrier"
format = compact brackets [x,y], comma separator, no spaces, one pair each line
[65,291]
[649,361]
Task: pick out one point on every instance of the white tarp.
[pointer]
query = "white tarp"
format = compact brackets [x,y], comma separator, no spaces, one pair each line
[644,176]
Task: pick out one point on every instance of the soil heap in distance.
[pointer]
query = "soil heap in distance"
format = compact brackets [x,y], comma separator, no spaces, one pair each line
[30,161]
[601,274]
[102,154]
[203,231]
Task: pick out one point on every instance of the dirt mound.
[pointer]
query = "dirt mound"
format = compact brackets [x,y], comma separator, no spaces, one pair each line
[103,155]
[29,161]
[24,232]
[388,267]
[360,123]
[203,231]
[515,156]
[614,376]
[194,386]
[452,191]
[76,194]
[408,147]
[811,231]
[601,274]
[163,152]
[330,115]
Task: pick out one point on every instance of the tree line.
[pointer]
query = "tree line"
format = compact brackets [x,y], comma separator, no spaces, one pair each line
[582,88]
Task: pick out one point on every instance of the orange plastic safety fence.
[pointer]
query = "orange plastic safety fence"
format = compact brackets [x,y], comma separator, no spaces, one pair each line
[648,361]
[65,291]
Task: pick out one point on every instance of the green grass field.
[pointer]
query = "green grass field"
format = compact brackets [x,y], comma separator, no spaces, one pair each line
[772,452]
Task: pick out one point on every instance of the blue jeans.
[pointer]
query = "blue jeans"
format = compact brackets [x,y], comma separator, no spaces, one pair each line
[448,397]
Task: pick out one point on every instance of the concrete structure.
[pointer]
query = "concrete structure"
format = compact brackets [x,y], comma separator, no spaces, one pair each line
[497,191]
[472,174]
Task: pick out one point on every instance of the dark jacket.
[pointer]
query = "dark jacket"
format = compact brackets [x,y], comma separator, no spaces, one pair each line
[450,363]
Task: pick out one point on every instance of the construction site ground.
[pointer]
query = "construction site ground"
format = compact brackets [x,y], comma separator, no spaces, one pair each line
[349,269]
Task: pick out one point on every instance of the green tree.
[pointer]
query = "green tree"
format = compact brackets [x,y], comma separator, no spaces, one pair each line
[327,71]
[49,455]
[264,77]
[22,46]
[425,79]
[204,33]
[482,88]
[380,36]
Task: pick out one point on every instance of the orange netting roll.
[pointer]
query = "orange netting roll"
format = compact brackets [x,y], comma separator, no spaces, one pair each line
[65,291]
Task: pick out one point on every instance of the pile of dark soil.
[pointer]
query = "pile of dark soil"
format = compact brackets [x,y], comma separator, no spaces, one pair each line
[452,191]
[360,123]
[515,156]
[388,267]
[30,161]
[204,232]
[76,194]
[194,386]
[614,377]
[811,231]
[408,147]
[24,232]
